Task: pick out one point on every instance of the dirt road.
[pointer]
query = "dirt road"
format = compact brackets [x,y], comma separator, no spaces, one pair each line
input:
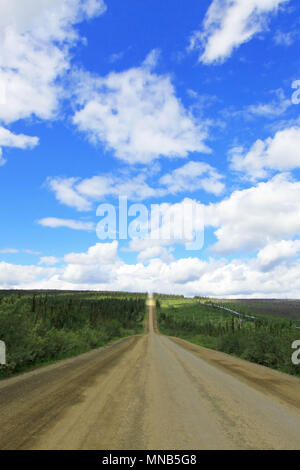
[150,392]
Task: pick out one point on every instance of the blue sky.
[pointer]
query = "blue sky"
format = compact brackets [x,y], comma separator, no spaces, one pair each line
[165,103]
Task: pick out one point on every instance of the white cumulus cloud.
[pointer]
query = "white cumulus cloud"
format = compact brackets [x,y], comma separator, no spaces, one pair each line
[35,38]
[193,176]
[250,219]
[95,266]
[280,153]
[137,115]
[99,268]
[276,253]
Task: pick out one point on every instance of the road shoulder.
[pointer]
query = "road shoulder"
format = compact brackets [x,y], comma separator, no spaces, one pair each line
[278,385]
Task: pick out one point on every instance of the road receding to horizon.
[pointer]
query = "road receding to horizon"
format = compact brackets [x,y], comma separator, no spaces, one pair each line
[151,392]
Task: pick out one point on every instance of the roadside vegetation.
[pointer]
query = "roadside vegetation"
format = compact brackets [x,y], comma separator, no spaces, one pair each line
[265,339]
[41,327]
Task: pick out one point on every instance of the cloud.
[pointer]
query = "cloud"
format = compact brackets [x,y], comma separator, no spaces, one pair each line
[34,44]
[193,176]
[137,115]
[101,253]
[8,139]
[87,270]
[49,260]
[116,57]
[273,109]
[170,224]
[280,153]
[15,250]
[12,275]
[251,219]
[247,220]
[155,252]
[278,253]
[95,266]
[192,276]
[268,109]
[230,23]
[9,251]
[99,268]
[134,187]
[66,194]
[54,222]
[81,193]
[20,141]
[285,38]
[31,252]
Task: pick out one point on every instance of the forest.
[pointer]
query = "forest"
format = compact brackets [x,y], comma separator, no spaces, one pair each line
[40,327]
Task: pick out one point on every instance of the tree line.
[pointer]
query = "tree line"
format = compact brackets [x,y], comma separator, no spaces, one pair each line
[44,326]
